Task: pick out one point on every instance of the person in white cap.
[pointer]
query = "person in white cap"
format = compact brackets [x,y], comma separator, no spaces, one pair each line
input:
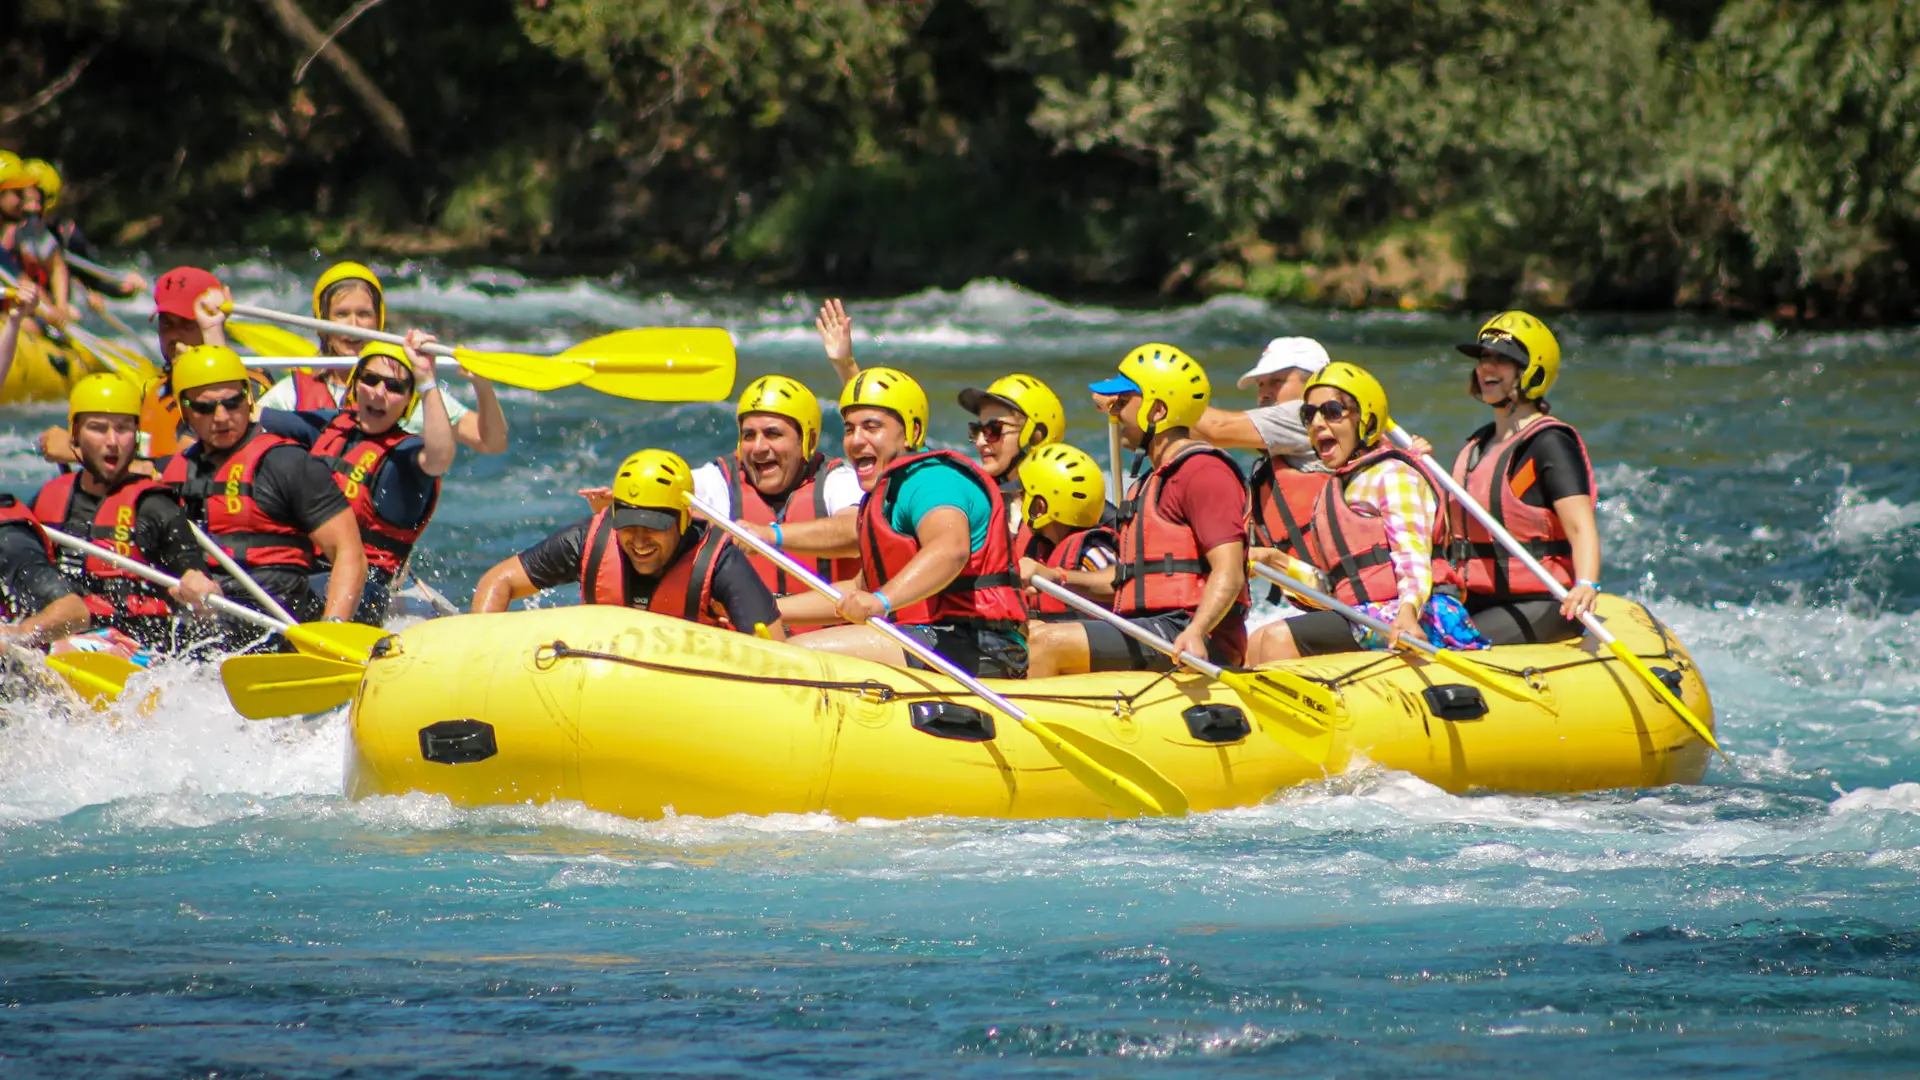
[1289,476]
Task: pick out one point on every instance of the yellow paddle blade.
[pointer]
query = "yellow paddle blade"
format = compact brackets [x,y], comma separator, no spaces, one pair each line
[97,677]
[1509,685]
[1141,788]
[285,684]
[1298,720]
[670,364]
[266,340]
[1673,702]
[539,373]
[346,642]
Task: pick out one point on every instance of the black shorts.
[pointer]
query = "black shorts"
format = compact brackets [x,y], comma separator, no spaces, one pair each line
[1322,633]
[1110,650]
[981,649]
[1522,622]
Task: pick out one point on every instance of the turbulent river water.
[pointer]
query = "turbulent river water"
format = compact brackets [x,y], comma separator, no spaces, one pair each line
[189,894]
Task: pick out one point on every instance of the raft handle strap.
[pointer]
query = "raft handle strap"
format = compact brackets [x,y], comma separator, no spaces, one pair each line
[874,689]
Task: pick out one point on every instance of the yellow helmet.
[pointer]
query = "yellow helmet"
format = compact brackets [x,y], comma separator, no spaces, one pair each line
[1069,480]
[13,172]
[1164,373]
[1365,389]
[894,391]
[650,491]
[47,180]
[103,392]
[350,271]
[392,352]
[1525,340]
[1046,417]
[781,395]
[207,365]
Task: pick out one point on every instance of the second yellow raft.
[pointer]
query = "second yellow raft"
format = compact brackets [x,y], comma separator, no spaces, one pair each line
[642,715]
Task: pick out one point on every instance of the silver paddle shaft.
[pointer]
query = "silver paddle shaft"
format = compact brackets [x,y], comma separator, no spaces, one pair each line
[1126,626]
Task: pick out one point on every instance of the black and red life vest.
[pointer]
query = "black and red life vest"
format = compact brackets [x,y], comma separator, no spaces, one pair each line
[806,502]
[1283,499]
[311,393]
[1065,555]
[1486,569]
[222,499]
[1350,545]
[987,587]
[356,459]
[111,594]
[685,590]
[1161,567]
[12,511]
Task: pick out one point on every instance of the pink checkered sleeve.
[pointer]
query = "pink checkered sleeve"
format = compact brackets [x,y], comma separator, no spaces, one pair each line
[1408,507]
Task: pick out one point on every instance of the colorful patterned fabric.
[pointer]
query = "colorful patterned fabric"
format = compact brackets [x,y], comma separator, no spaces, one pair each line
[1444,621]
[1407,506]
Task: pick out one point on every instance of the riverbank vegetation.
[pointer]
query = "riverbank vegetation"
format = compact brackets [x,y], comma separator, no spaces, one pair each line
[1749,156]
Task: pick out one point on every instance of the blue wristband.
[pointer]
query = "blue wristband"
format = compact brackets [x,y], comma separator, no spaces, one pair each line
[1594,585]
[777,540]
[884,602]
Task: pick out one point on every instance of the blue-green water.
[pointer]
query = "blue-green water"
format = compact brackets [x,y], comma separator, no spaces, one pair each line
[187,894]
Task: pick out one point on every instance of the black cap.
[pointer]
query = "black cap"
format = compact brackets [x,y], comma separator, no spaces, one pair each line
[626,516]
[972,398]
[1503,346]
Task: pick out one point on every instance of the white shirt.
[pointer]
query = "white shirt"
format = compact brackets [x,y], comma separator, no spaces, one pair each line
[282,396]
[840,487]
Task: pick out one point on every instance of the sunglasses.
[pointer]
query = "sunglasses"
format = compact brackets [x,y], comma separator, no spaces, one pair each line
[394,384]
[207,408]
[994,430]
[1334,411]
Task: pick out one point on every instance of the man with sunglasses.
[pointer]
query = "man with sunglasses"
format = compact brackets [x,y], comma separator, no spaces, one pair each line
[1182,570]
[389,476]
[262,497]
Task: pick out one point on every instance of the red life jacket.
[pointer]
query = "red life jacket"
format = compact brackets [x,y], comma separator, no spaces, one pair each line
[110,593]
[1162,568]
[12,511]
[806,502]
[311,393]
[1351,545]
[356,459]
[685,590]
[1283,499]
[33,249]
[988,586]
[1484,564]
[1065,556]
[223,502]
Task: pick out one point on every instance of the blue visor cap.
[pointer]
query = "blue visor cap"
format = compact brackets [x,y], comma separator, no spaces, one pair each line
[1118,384]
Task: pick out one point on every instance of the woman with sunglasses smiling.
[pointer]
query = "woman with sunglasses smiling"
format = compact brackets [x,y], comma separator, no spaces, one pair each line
[1013,416]
[1378,533]
[389,476]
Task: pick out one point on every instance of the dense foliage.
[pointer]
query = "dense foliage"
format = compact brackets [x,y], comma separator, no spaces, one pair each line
[1747,155]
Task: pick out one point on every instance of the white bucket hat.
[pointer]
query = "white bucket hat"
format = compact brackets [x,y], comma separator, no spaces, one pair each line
[1287,352]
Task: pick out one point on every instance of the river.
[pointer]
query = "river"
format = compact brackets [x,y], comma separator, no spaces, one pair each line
[190,895]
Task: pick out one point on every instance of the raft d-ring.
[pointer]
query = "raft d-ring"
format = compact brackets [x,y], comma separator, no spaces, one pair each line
[1122,708]
[546,656]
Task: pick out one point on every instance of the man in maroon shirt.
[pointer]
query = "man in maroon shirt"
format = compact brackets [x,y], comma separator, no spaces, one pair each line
[1182,570]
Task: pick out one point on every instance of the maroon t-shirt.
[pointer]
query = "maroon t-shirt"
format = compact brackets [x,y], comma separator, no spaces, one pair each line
[1207,496]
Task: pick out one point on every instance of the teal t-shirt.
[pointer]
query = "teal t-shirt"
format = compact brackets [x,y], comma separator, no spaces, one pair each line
[931,484]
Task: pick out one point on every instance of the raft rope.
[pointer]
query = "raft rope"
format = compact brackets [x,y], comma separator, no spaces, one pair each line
[546,655]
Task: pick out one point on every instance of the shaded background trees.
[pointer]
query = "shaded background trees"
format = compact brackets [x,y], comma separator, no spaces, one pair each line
[1747,155]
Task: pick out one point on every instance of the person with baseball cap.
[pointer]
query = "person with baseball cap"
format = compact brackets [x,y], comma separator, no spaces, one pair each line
[1289,476]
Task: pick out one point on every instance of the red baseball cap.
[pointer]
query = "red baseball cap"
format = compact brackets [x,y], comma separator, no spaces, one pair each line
[179,287]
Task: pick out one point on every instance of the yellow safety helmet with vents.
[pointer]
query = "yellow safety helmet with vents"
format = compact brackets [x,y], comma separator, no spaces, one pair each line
[1164,373]
[894,391]
[104,393]
[350,271]
[784,396]
[47,179]
[1365,389]
[650,491]
[392,352]
[13,172]
[208,365]
[1525,340]
[1069,480]
[1046,417]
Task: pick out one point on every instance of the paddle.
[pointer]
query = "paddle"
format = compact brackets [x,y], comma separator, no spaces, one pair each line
[1594,626]
[95,676]
[124,363]
[273,341]
[260,595]
[1295,711]
[686,364]
[345,642]
[1454,661]
[1117,777]
[287,684]
[1113,459]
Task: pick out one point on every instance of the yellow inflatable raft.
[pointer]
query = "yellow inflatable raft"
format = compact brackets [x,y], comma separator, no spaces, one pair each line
[45,370]
[642,715]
